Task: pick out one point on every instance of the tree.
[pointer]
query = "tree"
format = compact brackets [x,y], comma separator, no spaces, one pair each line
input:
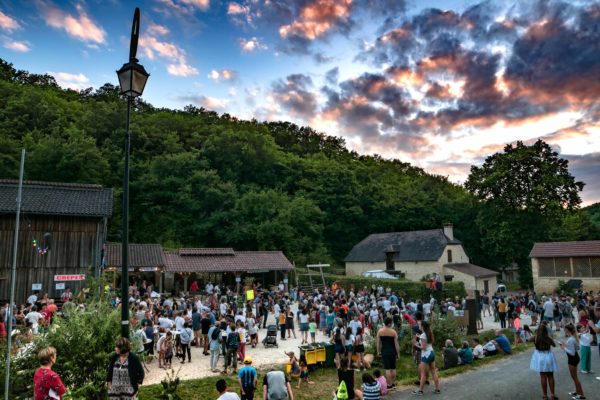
[527,191]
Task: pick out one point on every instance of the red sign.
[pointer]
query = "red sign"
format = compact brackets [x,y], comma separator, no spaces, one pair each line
[63,278]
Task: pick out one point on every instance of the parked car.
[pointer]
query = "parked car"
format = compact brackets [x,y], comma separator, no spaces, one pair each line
[379,274]
[501,288]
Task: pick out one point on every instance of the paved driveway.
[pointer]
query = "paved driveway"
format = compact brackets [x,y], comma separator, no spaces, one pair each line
[510,379]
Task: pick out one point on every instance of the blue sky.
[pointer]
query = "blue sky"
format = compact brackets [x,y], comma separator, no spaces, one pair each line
[441,84]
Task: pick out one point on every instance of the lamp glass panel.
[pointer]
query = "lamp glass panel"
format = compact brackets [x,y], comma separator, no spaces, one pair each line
[138,82]
[125,80]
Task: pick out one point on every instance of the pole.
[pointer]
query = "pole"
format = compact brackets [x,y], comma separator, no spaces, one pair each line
[125,235]
[13,274]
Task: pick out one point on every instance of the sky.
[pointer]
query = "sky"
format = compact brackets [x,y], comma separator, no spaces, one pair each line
[439,84]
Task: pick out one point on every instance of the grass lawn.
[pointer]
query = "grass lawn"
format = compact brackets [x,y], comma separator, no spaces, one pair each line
[325,380]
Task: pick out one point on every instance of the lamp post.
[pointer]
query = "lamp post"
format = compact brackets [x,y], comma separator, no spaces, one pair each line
[132,79]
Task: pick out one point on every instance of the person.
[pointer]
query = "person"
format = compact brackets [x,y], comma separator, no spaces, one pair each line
[185,340]
[167,348]
[516,329]
[347,376]
[478,353]
[214,338]
[289,323]
[282,319]
[241,331]
[303,316]
[349,345]
[276,386]
[502,342]
[382,382]
[450,355]
[489,347]
[233,341]
[196,326]
[585,341]
[194,288]
[465,354]
[427,364]
[247,378]
[526,335]
[388,349]
[294,371]
[304,371]
[502,309]
[124,373]
[543,360]
[33,318]
[224,394]
[371,389]
[359,348]
[2,328]
[572,348]
[47,383]
[548,309]
[312,329]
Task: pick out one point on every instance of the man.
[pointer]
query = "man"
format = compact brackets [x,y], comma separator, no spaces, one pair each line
[66,296]
[179,321]
[450,355]
[233,342]
[196,318]
[502,341]
[34,317]
[32,299]
[224,394]
[276,386]
[247,379]
[549,311]
[205,324]
[355,324]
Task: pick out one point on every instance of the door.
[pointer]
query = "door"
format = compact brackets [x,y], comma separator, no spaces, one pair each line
[486,286]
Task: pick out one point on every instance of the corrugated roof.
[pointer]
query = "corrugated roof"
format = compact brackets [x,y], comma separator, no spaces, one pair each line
[140,255]
[408,246]
[471,269]
[56,198]
[247,261]
[589,248]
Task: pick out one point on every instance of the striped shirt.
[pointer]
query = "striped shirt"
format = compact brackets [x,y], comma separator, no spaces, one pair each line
[247,375]
[372,391]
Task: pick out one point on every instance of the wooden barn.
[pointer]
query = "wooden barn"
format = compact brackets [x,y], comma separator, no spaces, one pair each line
[63,228]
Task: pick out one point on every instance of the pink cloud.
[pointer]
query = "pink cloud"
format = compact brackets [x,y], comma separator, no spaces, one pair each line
[181,68]
[317,18]
[223,75]
[8,23]
[252,44]
[14,45]
[157,30]
[82,27]
[235,8]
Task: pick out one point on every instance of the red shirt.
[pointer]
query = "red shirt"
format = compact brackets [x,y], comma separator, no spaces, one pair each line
[45,379]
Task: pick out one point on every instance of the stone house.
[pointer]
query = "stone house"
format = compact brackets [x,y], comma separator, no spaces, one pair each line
[420,253]
[552,262]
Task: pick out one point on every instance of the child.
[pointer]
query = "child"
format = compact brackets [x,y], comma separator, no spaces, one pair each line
[294,367]
[585,340]
[303,372]
[312,329]
[477,350]
[167,350]
[517,328]
[382,381]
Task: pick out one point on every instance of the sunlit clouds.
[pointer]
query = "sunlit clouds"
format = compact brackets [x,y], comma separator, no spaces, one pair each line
[153,46]
[317,18]
[22,47]
[8,23]
[71,81]
[81,27]
[252,44]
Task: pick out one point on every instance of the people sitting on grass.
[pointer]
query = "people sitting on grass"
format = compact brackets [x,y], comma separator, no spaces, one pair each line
[465,354]
[450,355]
[371,389]
[478,352]
[502,342]
[382,382]
[489,347]
[526,335]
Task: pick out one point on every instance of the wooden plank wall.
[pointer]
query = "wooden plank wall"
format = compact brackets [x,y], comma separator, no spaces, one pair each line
[73,251]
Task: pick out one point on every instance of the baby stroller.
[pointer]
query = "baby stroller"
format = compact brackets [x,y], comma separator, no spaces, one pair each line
[271,338]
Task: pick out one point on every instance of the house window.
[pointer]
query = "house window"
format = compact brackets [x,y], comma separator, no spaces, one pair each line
[449,256]
[581,267]
[546,267]
[562,267]
[595,264]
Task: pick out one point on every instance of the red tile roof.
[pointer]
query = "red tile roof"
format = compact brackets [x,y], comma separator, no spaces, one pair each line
[472,270]
[206,261]
[590,248]
[140,255]
[215,251]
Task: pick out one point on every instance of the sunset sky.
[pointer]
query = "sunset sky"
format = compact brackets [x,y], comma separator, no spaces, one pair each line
[440,84]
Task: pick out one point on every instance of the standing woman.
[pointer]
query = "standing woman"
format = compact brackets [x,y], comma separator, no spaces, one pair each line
[388,348]
[543,360]
[427,364]
[502,309]
[124,373]
[304,325]
[45,380]
[289,323]
[359,348]
[572,348]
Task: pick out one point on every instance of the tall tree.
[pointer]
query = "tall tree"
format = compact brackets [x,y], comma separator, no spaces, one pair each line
[527,191]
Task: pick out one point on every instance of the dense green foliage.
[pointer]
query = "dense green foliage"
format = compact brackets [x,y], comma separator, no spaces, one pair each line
[203,179]
[593,212]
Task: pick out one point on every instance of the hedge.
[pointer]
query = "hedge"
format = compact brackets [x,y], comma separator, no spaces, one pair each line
[407,289]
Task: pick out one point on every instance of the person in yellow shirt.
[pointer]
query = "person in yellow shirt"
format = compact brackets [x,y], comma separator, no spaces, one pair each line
[502,308]
[282,324]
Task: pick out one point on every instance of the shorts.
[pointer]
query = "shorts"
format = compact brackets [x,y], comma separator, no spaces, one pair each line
[338,348]
[360,348]
[304,327]
[389,361]
[253,336]
[248,393]
[429,358]
[313,334]
[303,374]
[573,360]
[349,348]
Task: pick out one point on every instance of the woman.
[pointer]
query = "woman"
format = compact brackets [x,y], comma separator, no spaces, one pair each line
[46,382]
[427,364]
[338,344]
[502,308]
[185,340]
[125,372]
[289,323]
[543,360]
[571,348]
[349,345]
[304,325]
[359,348]
[388,348]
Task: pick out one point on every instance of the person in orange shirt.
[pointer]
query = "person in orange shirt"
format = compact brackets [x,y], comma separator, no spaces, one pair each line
[282,324]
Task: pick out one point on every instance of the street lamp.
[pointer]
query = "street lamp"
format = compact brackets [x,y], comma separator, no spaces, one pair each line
[132,79]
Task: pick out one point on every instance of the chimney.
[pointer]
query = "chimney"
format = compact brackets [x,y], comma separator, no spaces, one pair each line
[449,231]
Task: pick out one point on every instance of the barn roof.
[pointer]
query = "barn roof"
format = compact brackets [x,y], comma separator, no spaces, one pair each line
[140,255]
[407,246]
[218,260]
[471,269]
[588,248]
[55,198]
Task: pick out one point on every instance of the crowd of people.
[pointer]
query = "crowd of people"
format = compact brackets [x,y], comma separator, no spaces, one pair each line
[223,323]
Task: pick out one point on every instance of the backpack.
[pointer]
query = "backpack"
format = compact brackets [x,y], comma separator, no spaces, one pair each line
[342,392]
[233,340]
[215,334]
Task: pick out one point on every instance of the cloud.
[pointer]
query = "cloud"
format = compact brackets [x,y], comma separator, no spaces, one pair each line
[210,103]
[8,23]
[318,18]
[71,81]
[22,47]
[157,30]
[295,96]
[251,45]
[154,47]
[80,27]
[223,75]
[185,6]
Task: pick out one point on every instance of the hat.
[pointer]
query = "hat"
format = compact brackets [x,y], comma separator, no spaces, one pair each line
[248,360]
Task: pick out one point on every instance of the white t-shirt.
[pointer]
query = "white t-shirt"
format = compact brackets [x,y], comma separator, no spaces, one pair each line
[478,351]
[223,308]
[428,349]
[32,299]
[585,339]
[229,396]
[179,321]
[354,325]
[303,318]
[427,308]
[34,317]
[165,322]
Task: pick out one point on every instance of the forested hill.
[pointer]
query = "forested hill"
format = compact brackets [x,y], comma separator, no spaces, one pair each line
[203,179]
[594,212]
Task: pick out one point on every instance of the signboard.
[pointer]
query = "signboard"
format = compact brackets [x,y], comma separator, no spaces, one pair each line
[147,269]
[250,294]
[68,278]
[60,286]
[36,286]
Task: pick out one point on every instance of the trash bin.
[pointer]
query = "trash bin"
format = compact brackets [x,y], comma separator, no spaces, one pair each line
[329,354]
